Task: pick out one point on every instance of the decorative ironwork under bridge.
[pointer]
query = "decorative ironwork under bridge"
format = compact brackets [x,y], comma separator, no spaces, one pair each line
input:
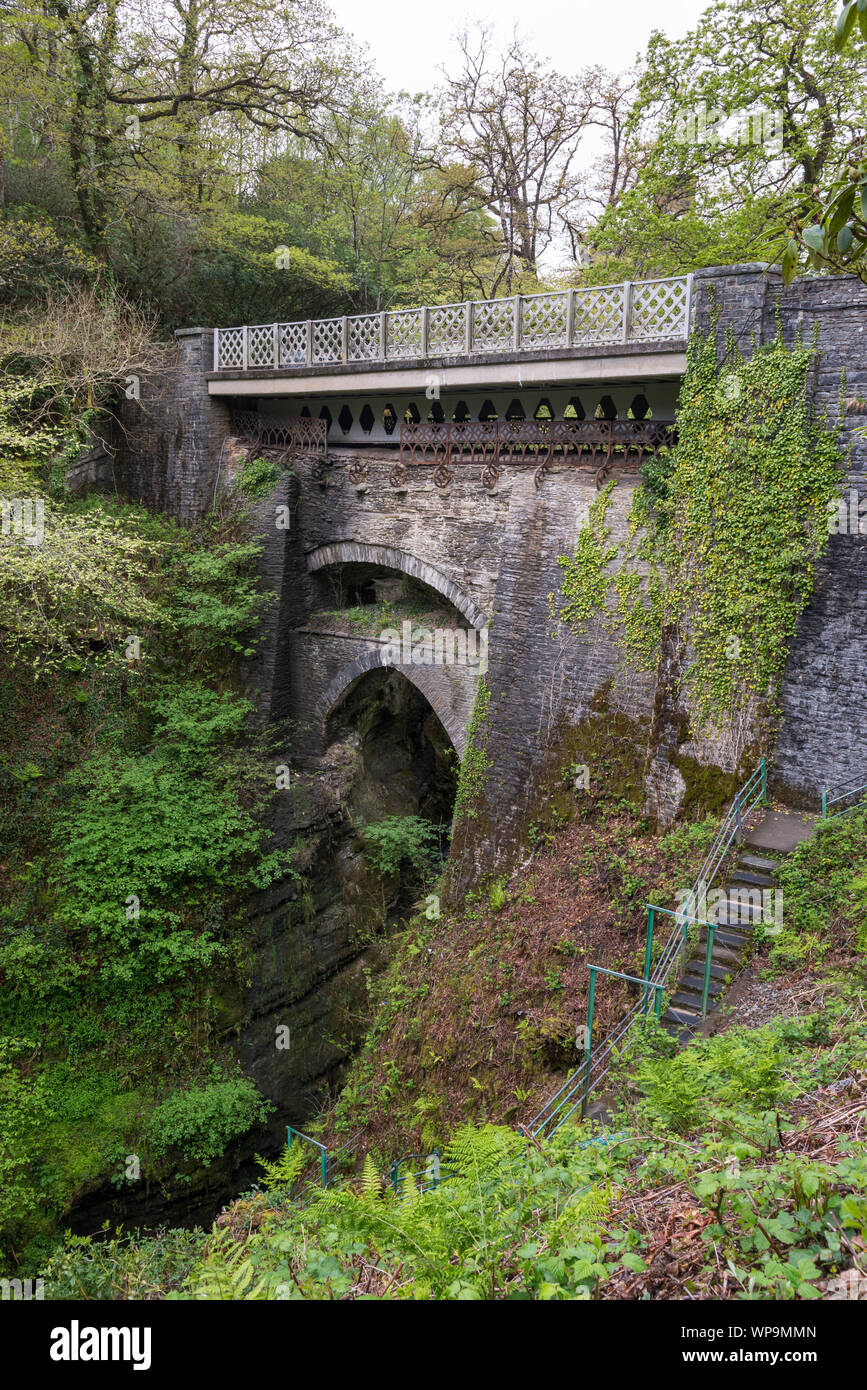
[491,443]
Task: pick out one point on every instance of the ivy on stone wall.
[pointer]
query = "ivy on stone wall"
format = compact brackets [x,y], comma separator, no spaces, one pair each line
[723,536]
[586,578]
[475,765]
[754,474]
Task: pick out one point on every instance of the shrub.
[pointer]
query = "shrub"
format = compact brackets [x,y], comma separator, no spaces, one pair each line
[201,1121]
[400,840]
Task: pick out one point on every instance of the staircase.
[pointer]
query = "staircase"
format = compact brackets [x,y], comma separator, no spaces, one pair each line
[737,916]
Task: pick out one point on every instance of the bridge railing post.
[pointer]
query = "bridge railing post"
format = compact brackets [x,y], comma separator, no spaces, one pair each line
[627,310]
[468,327]
[275,345]
[308,350]
[425,331]
[344,339]
[516,322]
[570,316]
[245,349]
[383,337]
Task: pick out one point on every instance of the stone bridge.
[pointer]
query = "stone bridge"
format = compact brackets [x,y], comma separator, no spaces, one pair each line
[530,407]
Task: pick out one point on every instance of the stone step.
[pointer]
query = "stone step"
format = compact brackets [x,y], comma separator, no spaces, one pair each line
[695,966]
[682,1035]
[693,983]
[746,898]
[683,1018]
[731,920]
[727,937]
[683,1000]
[758,861]
[753,878]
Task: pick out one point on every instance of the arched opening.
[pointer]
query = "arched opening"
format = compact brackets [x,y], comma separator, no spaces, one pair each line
[408,765]
[338,565]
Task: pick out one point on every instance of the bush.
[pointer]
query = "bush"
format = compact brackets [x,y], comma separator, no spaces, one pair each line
[200,1122]
[400,840]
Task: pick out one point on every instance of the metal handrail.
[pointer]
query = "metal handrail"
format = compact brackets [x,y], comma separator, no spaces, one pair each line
[589,1076]
[432,1174]
[634,311]
[857,787]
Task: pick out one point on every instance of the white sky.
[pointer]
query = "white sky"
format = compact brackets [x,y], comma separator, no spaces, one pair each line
[410,39]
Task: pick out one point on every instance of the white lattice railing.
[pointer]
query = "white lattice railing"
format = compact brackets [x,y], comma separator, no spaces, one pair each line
[641,311]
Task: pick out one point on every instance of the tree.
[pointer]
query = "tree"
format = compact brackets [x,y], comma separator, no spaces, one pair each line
[518,127]
[148,94]
[836,234]
[742,115]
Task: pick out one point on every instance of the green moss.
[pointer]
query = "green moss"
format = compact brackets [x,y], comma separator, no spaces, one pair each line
[709,791]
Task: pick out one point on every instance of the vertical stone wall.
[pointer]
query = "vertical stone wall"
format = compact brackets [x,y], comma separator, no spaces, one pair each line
[170,447]
[820,741]
[825,680]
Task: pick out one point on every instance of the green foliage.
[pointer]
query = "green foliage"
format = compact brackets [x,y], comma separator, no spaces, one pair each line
[370,1181]
[733,1069]
[215,599]
[553,1220]
[586,576]
[836,232]
[23,1111]
[476,763]
[399,840]
[259,477]
[282,1172]
[200,1122]
[732,527]
[35,258]
[136,1265]
[824,902]
[226,1272]
[753,478]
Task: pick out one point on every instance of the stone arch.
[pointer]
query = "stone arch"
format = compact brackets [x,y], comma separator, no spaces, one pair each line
[430,681]
[357,552]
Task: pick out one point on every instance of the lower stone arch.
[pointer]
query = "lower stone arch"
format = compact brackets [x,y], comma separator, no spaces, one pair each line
[359,552]
[428,680]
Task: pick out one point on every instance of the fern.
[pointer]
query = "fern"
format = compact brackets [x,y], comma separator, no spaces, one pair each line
[285,1170]
[371,1182]
[226,1273]
[473,1149]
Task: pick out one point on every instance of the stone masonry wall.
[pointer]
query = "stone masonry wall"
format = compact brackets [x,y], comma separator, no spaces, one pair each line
[825,680]
[170,447]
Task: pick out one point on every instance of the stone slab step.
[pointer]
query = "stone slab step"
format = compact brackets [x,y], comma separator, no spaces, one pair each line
[781,831]
[758,861]
[760,878]
[727,936]
[683,1035]
[695,966]
[746,917]
[684,1018]
[694,984]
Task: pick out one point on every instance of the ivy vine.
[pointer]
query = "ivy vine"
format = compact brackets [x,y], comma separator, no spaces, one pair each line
[723,536]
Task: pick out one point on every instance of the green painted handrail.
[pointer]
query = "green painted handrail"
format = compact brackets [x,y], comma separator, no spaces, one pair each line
[591,1072]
